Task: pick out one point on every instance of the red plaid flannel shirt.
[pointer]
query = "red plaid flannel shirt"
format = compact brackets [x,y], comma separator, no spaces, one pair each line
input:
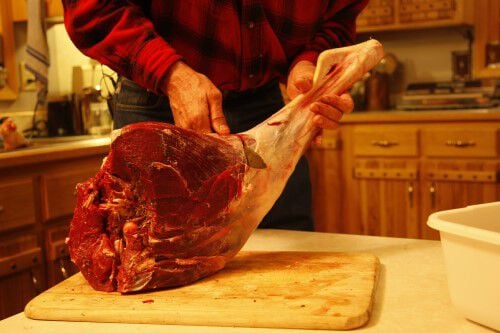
[238,44]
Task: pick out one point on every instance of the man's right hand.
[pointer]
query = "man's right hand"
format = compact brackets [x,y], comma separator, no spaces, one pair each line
[195,101]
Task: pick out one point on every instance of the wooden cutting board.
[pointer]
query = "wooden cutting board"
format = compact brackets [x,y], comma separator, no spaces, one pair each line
[301,290]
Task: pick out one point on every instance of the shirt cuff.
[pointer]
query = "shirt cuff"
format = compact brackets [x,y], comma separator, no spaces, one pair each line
[152,63]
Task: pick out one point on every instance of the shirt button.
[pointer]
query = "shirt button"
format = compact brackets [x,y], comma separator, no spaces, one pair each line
[251,25]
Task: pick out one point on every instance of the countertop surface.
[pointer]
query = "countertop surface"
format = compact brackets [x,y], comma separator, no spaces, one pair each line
[50,149]
[53,149]
[411,296]
[396,116]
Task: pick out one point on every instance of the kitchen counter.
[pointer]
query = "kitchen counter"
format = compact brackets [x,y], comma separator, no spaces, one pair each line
[54,149]
[396,116]
[411,295]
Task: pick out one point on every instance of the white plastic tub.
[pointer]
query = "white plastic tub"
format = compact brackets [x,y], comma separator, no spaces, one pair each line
[470,238]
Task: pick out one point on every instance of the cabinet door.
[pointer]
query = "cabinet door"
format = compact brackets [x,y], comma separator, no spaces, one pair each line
[324,164]
[383,199]
[58,199]
[54,8]
[487,39]
[455,184]
[59,265]
[385,15]
[17,203]
[21,273]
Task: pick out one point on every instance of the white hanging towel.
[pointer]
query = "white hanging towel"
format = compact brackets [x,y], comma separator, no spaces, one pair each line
[37,50]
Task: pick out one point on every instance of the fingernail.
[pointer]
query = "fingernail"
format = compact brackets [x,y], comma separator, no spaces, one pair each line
[223,129]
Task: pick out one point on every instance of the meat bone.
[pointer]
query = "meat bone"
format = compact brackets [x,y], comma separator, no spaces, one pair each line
[178,208]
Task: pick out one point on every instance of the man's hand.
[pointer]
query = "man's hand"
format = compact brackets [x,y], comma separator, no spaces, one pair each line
[196,103]
[330,108]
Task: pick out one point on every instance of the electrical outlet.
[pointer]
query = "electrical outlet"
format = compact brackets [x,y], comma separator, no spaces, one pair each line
[27,78]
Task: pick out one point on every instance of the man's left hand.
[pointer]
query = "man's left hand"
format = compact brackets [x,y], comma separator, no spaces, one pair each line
[330,108]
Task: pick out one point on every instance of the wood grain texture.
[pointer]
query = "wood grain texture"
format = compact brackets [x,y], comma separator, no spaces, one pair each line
[17,207]
[301,290]
[385,141]
[59,191]
[472,141]
[11,89]
[324,165]
[390,15]
[487,29]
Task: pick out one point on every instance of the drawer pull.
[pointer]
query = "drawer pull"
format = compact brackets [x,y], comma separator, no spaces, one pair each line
[1,209]
[432,192]
[384,143]
[64,272]
[411,190]
[35,283]
[460,143]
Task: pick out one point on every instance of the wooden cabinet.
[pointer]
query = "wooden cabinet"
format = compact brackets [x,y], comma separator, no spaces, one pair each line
[448,184]
[21,272]
[486,61]
[10,89]
[393,173]
[59,265]
[58,191]
[384,15]
[19,9]
[36,205]
[17,203]
[384,198]
[324,163]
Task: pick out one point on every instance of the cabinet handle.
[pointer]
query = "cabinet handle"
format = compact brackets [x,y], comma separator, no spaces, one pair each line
[411,190]
[460,143]
[1,209]
[34,280]
[432,192]
[64,272]
[384,143]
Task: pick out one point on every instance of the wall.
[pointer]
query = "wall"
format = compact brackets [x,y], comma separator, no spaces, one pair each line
[63,56]
[425,55]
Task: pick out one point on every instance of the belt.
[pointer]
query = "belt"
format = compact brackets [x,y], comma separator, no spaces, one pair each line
[226,94]
[251,93]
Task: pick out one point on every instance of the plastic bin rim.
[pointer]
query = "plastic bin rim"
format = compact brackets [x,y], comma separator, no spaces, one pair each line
[435,221]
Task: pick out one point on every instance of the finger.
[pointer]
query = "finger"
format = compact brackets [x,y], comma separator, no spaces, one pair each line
[347,102]
[343,103]
[198,119]
[318,140]
[324,123]
[303,83]
[327,111]
[217,118]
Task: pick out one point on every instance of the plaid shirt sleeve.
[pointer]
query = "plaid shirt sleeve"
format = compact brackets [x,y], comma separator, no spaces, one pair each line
[337,29]
[118,34]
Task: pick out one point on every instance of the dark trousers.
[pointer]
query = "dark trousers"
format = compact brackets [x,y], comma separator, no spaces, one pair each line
[243,110]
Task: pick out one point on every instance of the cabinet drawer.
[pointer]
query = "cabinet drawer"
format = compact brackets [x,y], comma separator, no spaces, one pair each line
[460,143]
[19,254]
[17,203]
[390,142]
[58,199]
[56,243]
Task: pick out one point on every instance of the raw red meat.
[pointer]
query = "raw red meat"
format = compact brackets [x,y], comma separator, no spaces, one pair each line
[170,206]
